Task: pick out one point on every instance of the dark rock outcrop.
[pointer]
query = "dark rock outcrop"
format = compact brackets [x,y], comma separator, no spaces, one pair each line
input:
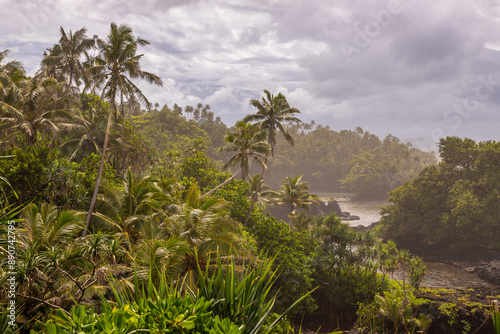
[363,228]
[490,272]
[316,209]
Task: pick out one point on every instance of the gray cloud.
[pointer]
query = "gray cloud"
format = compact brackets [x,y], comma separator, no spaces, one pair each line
[389,66]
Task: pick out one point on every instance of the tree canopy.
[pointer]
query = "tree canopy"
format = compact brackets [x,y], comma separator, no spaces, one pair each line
[454,203]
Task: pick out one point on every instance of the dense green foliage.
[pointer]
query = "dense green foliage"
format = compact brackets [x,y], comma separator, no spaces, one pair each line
[164,203]
[454,203]
[166,130]
[228,300]
[293,254]
[343,265]
[171,314]
[40,173]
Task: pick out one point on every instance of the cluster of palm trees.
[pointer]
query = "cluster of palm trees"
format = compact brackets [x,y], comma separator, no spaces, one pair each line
[255,142]
[143,225]
[143,228]
[45,104]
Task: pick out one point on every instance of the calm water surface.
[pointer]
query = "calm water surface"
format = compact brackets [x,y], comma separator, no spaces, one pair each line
[367,211]
[440,275]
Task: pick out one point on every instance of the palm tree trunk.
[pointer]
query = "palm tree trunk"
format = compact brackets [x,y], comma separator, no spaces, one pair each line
[242,170]
[101,166]
[219,186]
[255,194]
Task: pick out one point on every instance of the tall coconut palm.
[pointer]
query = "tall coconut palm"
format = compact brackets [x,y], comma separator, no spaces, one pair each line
[272,114]
[247,142]
[63,60]
[112,72]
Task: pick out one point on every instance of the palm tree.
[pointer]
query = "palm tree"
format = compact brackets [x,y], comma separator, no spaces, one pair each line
[204,225]
[55,268]
[41,107]
[6,189]
[188,110]
[11,75]
[271,115]
[12,82]
[247,141]
[62,61]
[44,240]
[264,192]
[113,70]
[295,193]
[159,257]
[300,221]
[124,209]
[46,226]
[87,135]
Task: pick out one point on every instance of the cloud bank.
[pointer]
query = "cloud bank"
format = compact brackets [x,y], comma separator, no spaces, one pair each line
[418,70]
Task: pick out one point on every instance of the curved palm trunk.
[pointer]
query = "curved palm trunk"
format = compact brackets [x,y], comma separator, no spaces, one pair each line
[101,167]
[255,194]
[218,187]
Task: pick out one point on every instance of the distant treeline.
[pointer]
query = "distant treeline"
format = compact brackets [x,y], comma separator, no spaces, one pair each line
[330,161]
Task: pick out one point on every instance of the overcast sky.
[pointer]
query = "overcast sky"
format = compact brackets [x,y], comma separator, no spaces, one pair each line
[419,70]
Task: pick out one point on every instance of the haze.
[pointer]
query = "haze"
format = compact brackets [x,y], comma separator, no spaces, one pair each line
[419,70]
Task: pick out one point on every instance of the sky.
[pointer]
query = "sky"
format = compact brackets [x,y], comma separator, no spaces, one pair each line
[419,70]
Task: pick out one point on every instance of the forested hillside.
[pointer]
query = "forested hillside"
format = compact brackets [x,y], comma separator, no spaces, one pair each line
[348,161]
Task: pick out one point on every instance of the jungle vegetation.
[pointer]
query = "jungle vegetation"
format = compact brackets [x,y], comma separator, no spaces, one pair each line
[124,216]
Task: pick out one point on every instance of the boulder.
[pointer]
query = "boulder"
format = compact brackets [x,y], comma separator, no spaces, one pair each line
[490,272]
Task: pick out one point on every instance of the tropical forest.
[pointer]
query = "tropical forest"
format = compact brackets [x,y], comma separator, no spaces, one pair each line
[119,215]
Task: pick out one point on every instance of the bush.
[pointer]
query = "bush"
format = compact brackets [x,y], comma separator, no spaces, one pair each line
[292,252]
[344,269]
[172,314]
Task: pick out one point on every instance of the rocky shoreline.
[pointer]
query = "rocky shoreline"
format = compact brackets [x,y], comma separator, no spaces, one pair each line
[484,263]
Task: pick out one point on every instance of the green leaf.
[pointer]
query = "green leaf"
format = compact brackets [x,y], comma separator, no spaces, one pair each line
[51,328]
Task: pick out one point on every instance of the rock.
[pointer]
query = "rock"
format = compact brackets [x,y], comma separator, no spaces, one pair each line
[359,228]
[316,209]
[489,273]
[333,206]
[349,217]
[344,214]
